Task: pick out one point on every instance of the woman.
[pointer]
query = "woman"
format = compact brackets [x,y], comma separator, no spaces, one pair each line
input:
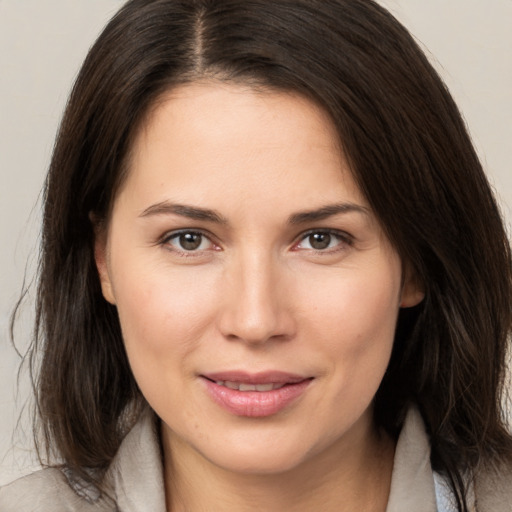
[274,276]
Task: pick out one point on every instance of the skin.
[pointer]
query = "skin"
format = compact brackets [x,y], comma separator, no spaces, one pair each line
[255,295]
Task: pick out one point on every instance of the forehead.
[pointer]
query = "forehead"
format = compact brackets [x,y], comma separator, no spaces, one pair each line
[209,139]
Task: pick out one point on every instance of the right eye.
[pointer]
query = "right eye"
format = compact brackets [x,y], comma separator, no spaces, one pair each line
[188,241]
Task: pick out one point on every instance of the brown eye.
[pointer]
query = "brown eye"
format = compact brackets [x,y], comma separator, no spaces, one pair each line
[320,241]
[189,241]
[324,241]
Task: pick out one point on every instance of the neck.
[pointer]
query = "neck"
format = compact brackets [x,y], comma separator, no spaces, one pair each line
[346,477]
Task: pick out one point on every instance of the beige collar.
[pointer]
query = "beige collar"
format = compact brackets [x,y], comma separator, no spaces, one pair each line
[136,473]
[412,481]
[137,470]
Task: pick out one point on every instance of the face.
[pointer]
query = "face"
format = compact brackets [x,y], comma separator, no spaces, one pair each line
[256,291]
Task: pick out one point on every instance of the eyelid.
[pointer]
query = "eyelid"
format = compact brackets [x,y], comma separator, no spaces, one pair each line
[175,233]
[345,239]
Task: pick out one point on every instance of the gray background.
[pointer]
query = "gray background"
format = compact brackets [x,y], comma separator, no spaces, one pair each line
[42,44]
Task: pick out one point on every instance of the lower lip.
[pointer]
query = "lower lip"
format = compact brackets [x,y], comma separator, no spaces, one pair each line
[255,404]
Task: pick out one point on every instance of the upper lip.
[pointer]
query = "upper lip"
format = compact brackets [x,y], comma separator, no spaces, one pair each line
[266,377]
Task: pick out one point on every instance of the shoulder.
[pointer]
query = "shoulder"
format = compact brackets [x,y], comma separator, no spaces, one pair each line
[135,476]
[46,490]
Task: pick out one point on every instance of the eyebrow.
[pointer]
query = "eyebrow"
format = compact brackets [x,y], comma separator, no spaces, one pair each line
[325,212]
[205,214]
[191,212]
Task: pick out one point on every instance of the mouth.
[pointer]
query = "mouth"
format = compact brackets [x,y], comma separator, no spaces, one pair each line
[255,395]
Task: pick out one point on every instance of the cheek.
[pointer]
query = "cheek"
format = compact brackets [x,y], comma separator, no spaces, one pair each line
[354,329]
[354,319]
[163,312]
[356,305]
[164,315]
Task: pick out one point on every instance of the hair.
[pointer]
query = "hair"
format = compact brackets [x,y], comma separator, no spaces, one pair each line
[408,150]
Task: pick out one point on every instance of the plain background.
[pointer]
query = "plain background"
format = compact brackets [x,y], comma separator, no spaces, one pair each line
[42,44]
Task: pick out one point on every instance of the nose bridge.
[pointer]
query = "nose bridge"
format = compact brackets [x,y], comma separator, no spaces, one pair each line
[255,310]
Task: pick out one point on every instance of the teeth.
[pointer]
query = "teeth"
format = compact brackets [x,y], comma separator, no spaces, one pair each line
[241,386]
[264,387]
[247,387]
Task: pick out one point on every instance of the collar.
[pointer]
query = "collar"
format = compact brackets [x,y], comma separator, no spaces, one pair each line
[136,473]
[412,480]
[137,477]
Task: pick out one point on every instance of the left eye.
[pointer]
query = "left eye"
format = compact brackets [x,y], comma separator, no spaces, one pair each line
[189,241]
[320,241]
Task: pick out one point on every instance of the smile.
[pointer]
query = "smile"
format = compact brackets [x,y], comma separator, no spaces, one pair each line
[256,395]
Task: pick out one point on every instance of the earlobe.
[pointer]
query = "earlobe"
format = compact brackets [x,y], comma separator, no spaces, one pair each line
[412,299]
[413,290]
[101,260]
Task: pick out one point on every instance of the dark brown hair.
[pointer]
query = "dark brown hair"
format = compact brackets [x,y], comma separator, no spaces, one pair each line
[409,152]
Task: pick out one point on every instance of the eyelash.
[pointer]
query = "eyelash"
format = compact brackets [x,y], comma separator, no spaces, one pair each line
[175,235]
[344,240]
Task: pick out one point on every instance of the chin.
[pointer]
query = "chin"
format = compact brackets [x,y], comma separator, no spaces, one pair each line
[257,461]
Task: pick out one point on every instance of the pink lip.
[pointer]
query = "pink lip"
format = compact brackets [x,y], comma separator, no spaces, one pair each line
[255,403]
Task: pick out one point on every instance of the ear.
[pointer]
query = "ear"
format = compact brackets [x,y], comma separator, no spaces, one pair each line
[413,290]
[101,259]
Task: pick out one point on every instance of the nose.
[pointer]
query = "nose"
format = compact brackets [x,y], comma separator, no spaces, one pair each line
[256,306]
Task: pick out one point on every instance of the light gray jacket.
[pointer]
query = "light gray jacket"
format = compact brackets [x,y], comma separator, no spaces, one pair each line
[136,477]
